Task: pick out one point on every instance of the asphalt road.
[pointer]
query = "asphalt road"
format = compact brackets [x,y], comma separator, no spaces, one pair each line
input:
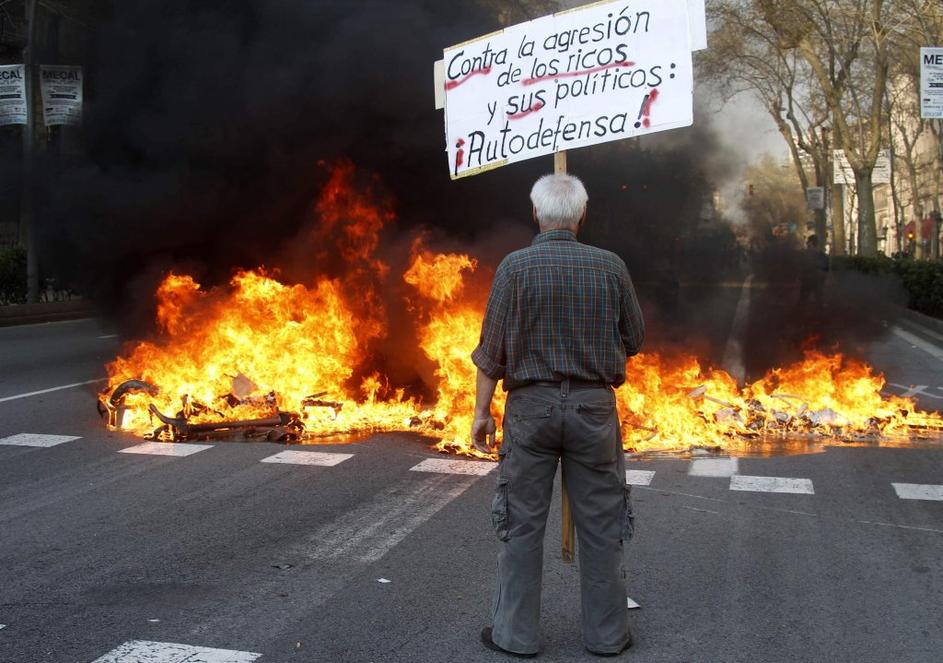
[219,550]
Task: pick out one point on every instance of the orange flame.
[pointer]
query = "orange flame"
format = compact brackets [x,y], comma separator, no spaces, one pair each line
[259,346]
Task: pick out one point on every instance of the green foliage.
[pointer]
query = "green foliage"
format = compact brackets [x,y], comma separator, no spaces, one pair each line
[922,279]
[12,275]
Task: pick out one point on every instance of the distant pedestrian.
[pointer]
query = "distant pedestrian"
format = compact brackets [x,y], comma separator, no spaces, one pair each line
[561,319]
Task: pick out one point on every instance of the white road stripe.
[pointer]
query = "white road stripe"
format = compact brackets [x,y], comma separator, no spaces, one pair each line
[639,477]
[34,440]
[713,467]
[369,531]
[631,604]
[732,361]
[139,651]
[916,341]
[771,485]
[449,466]
[293,457]
[166,449]
[917,491]
[51,389]
[108,336]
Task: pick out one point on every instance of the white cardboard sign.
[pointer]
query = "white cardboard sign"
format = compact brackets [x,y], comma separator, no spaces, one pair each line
[62,94]
[843,173]
[931,83]
[12,94]
[600,73]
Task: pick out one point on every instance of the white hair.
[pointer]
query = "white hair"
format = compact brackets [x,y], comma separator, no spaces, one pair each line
[559,202]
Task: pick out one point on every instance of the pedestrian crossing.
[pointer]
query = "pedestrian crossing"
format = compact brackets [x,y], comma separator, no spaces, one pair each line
[139,651]
[709,468]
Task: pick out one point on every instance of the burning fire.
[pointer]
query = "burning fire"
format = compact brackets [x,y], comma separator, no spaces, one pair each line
[279,361]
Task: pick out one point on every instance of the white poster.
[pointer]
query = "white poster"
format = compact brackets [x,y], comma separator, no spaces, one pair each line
[595,74]
[815,197]
[12,94]
[843,173]
[62,94]
[931,83]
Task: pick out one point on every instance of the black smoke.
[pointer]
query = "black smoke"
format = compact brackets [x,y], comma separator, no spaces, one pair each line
[209,124]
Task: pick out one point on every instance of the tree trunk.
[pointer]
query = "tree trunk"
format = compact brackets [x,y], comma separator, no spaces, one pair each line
[838,219]
[867,225]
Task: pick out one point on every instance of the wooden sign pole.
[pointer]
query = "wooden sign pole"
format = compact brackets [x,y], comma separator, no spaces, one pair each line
[568,550]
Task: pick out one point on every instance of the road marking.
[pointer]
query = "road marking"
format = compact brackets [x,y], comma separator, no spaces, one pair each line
[292,457]
[691,508]
[713,467]
[138,651]
[922,329]
[631,604]
[914,390]
[916,341]
[166,449]
[771,485]
[366,533]
[2,626]
[917,491]
[34,440]
[639,477]
[51,389]
[108,336]
[444,466]
[733,354]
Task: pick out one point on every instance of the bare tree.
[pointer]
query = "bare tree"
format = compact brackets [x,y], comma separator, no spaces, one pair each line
[745,55]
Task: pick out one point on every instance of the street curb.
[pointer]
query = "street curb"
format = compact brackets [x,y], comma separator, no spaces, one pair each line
[28,314]
[925,320]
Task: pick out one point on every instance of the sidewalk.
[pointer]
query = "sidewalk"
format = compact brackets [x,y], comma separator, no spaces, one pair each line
[24,314]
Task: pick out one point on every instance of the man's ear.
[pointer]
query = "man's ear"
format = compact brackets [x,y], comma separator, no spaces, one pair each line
[582,218]
[534,214]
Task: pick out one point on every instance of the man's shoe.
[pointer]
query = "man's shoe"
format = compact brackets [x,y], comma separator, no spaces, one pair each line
[610,654]
[488,642]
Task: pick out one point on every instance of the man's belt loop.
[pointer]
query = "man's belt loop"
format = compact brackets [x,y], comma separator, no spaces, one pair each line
[565,388]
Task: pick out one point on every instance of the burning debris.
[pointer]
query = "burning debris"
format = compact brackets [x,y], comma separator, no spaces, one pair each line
[262,359]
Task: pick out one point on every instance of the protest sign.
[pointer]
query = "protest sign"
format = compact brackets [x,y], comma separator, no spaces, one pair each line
[815,197]
[62,94]
[604,72]
[12,94]
[843,173]
[931,83]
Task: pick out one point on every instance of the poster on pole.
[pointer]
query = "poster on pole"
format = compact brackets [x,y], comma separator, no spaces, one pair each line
[931,83]
[844,174]
[815,197]
[599,73]
[12,94]
[62,94]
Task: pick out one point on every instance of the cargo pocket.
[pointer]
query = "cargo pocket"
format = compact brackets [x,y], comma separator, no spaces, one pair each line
[628,516]
[499,511]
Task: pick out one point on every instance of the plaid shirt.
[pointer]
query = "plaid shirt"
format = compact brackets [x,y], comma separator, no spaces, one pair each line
[559,309]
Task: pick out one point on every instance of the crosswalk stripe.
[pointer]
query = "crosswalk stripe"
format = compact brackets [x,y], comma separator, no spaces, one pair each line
[639,477]
[771,485]
[917,491]
[138,651]
[36,440]
[447,466]
[166,449]
[292,457]
[713,467]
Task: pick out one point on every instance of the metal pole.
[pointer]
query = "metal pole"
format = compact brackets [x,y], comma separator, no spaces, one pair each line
[27,229]
[568,547]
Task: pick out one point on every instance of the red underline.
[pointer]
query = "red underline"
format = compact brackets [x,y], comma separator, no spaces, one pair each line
[531,81]
[451,85]
[518,116]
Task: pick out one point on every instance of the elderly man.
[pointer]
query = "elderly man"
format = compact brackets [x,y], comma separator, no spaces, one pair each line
[562,317]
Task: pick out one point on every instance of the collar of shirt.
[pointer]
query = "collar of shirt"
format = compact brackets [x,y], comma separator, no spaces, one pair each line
[555,236]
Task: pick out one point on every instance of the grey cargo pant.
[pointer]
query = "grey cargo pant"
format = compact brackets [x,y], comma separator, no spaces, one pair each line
[544,423]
